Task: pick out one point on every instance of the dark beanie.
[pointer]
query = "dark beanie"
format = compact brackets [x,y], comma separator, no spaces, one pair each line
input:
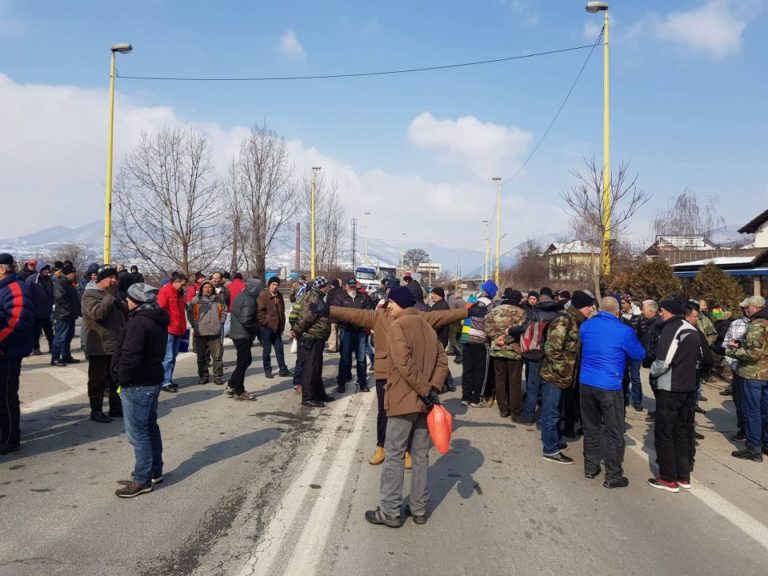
[673,305]
[547,291]
[513,296]
[439,291]
[402,296]
[274,280]
[67,269]
[564,294]
[533,293]
[581,299]
[105,272]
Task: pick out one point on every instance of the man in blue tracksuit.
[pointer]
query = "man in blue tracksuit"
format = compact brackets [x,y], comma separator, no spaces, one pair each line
[606,346]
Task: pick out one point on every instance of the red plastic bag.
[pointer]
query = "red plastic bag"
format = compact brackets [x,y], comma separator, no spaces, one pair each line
[440,425]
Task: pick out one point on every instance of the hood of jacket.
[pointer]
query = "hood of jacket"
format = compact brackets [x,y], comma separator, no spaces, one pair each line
[762,313]
[253,287]
[152,311]
[200,290]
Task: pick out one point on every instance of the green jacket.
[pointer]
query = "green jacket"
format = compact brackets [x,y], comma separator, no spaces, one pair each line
[753,352]
[561,349]
[705,325]
[497,323]
[315,325]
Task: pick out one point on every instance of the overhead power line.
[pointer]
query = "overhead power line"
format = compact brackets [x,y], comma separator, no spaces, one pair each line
[354,74]
[559,110]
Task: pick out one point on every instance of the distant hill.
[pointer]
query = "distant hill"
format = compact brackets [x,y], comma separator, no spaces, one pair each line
[47,241]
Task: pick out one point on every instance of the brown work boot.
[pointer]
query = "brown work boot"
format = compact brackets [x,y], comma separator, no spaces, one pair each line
[133,489]
[378,457]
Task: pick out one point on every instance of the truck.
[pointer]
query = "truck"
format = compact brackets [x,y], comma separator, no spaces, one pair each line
[367,277]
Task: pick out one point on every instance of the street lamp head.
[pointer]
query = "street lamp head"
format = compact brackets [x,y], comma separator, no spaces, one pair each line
[496,178]
[594,7]
[122,48]
[316,168]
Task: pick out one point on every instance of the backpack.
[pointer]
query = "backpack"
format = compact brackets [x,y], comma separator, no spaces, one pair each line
[293,315]
[532,340]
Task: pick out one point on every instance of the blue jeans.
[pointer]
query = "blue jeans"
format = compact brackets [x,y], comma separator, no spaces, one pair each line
[140,419]
[550,417]
[352,340]
[271,338]
[369,351]
[62,338]
[754,402]
[169,362]
[533,386]
[636,393]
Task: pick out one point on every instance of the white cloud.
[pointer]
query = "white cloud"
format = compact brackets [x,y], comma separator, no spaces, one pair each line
[484,148]
[52,158]
[290,46]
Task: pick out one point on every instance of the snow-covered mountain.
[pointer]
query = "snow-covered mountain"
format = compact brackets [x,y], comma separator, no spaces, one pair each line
[44,243]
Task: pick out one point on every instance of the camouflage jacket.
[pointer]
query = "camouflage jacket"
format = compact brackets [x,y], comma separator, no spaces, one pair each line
[705,325]
[497,322]
[315,325]
[562,348]
[752,355]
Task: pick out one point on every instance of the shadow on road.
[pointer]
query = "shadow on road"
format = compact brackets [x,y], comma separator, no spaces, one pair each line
[214,453]
[455,469]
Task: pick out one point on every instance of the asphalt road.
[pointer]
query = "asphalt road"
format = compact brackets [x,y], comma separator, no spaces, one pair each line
[268,487]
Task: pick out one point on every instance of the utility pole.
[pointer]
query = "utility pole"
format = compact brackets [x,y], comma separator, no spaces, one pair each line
[312,232]
[497,275]
[297,258]
[354,243]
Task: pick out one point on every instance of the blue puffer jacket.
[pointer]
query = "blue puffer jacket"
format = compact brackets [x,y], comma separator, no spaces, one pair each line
[606,345]
[16,319]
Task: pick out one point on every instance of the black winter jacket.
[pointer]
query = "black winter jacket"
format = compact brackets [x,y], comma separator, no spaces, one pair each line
[650,330]
[244,323]
[66,299]
[360,302]
[41,293]
[678,355]
[138,360]
[442,332]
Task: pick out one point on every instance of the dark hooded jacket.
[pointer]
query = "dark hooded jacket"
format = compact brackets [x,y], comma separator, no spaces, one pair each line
[244,322]
[66,299]
[103,320]
[138,360]
[41,293]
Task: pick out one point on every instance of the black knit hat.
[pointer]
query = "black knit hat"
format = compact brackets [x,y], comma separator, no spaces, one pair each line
[513,296]
[67,269]
[547,291]
[402,296]
[105,272]
[673,305]
[582,299]
[439,291]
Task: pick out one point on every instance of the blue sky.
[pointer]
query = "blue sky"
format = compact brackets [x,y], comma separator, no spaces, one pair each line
[688,102]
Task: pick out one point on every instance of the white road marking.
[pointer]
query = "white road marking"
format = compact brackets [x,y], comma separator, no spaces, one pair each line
[76,380]
[736,516]
[315,531]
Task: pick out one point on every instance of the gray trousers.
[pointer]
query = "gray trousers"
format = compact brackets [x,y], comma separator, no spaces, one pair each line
[392,476]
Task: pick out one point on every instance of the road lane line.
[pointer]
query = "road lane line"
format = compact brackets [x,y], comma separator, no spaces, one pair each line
[736,516]
[268,551]
[314,535]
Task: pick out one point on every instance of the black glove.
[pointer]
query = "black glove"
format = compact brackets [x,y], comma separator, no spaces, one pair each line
[477,311]
[319,310]
[515,331]
[430,399]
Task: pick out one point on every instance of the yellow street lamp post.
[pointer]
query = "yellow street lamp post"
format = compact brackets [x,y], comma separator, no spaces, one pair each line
[486,263]
[365,226]
[402,251]
[312,237]
[497,275]
[123,49]
[593,8]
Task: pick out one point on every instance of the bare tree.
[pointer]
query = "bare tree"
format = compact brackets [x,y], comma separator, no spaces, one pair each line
[262,197]
[530,271]
[169,210]
[685,216]
[330,222]
[414,257]
[585,203]
[75,253]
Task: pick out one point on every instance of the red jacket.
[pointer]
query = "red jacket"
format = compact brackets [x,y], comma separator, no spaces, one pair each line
[172,301]
[234,287]
[193,289]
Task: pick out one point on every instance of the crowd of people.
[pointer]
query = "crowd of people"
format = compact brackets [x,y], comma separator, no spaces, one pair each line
[565,360]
